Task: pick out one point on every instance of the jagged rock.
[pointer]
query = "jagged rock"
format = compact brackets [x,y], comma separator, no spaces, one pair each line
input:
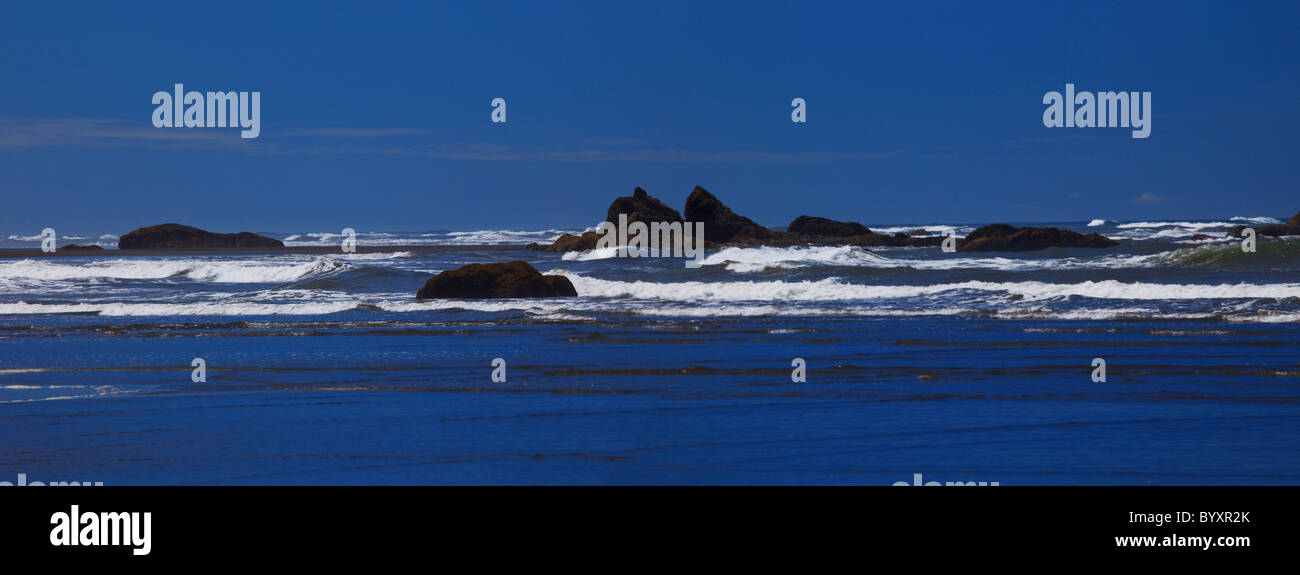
[176,236]
[638,207]
[815,226]
[1002,237]
[641,207]
[721,225]
[516,279]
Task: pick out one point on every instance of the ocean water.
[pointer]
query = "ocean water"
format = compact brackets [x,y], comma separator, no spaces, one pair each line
[325,369]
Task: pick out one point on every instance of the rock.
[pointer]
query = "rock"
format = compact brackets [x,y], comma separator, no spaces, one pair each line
[895,241]
[1290,228]
[1002,237]
[569,243]
[176,236]
[920,232]
[515,279]
[641,207]
[721,225]
[814,226]
[783,239]
[638,207]
[1199,237]
[814,231]
[77,248]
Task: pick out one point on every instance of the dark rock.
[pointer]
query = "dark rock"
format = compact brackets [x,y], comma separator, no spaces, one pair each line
[815,226]
[1002,237]
[515,279]
[77,248]
[919,232]
[721,225]
[1279,230]
[782,239]
[176,236]
[895,241]
[641,207]
[569,243]
[1198,237]
[1290,228]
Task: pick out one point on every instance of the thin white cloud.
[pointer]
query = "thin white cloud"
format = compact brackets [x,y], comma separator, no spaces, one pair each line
[103,133]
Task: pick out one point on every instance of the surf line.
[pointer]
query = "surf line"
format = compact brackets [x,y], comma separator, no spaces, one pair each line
[182,109]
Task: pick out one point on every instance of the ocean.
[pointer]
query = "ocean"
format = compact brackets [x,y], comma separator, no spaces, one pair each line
[323,368]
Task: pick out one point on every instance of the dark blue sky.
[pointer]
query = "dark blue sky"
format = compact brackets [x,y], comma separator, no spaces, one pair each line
[377,116]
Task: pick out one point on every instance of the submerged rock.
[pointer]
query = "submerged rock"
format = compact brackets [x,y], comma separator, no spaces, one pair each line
[1003,237]
[77,248]
[516,279]
[176,236]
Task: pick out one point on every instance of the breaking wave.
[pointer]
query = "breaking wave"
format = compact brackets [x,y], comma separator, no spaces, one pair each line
[213,271]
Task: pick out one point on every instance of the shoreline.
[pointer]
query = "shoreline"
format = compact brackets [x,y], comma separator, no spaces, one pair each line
[288,250]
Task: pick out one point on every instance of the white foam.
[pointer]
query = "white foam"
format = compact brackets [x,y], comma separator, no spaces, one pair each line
[206,270]
[478,237]
[546,306]
[748,260]
[375,256]
[208,308]
[1258,220]
[934,229]
[593,254]
[1195,225]
[832,289]
[503,237]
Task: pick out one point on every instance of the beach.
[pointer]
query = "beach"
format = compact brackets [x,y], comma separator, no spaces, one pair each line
[322,367]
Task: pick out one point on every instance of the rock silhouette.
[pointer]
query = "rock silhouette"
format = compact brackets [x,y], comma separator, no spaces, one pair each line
[1006,238]
[176,236]
[724,227]
[721,225]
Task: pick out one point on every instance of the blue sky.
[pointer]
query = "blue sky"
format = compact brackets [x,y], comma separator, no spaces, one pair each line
[377,116]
